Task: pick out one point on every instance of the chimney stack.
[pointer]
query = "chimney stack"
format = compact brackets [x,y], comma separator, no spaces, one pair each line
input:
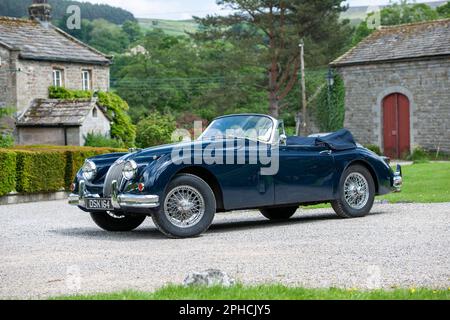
[40,10]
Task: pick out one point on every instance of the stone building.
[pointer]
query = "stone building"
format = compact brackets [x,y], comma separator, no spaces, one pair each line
[35,55]
[398,88]
[56,122]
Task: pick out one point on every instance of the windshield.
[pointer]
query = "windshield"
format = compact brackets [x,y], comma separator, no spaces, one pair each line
[247,127]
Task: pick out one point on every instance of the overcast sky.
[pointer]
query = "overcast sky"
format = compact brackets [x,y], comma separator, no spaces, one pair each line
[185,9]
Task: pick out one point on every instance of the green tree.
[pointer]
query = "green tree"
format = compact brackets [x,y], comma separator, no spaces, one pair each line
[277,27]
[163,78]
[133,30]
[406,12]
[156,129]
[444,10]
[108,37]
[402,12]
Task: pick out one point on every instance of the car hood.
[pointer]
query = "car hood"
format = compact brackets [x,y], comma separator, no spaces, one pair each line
[147,155]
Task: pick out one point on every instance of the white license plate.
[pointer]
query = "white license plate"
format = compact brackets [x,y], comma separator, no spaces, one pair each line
[99,204]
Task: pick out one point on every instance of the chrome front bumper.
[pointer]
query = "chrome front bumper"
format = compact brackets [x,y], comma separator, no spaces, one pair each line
[119,201]
[398,179]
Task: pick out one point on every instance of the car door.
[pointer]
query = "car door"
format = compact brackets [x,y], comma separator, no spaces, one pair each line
[306,174]
[243,185]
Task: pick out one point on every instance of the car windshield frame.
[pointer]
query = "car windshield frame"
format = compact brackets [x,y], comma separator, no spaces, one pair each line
[224,136]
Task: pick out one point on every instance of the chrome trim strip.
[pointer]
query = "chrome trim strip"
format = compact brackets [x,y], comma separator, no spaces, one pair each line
[114,194]
[81,192]
[398,179]
[137,201]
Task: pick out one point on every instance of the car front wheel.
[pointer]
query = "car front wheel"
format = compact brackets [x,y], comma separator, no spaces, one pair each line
[188,208]
[356,193]
[116,223]
[279,213]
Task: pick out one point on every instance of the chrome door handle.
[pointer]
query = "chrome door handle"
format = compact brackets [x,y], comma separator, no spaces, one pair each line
[326,152]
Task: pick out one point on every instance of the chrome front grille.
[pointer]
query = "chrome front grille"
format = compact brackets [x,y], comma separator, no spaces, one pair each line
[114,173]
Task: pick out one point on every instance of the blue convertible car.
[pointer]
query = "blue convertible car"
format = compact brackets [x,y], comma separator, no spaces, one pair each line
[239,162]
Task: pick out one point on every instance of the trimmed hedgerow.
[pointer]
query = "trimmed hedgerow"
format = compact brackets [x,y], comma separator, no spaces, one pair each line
[30,169]
[7,172]
[40,171]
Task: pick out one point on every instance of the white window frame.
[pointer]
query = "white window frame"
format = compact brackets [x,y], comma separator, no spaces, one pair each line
[57,78]
[86,80]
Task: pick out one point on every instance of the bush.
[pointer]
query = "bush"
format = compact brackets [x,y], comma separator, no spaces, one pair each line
[101,141]
[419,155]
[40,171]
[155,130]
[122,127]
[6,141]
[66,94]
[374,148]
[7,172]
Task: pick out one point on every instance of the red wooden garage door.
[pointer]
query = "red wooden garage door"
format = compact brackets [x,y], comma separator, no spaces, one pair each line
[396,125]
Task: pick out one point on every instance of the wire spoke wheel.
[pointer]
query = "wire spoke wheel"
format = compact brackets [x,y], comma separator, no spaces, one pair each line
[184,206]
[356,191]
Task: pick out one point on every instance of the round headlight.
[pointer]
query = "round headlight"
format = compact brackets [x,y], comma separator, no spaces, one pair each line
[130,170]
[89,170]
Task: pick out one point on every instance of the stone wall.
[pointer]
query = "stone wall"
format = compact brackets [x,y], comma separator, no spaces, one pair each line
[99,125]
[7,76]
[41,136]
[36,76]
[425,83]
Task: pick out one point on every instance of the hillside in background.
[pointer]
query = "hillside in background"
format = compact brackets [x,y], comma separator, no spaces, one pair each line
[358,14]
[89,11]
[171,27]
[179,27]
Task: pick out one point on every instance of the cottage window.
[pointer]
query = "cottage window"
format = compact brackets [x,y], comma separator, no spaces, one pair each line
[86,78]
[57,78]
[94,113]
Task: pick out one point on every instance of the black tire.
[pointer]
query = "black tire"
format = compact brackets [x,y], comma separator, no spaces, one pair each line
[168,227]
[341,206]
[277,214]
[120,224]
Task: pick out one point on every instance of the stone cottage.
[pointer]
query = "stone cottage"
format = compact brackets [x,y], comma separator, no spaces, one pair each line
[398,88]
[56,122]
[35,55]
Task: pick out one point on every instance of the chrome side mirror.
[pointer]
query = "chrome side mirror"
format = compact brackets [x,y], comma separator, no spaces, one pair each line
[283,139]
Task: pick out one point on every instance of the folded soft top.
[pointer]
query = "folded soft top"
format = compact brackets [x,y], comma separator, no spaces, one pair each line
[338,141]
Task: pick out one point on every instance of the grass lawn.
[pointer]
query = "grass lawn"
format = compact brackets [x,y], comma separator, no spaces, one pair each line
[422,183]
[267,292]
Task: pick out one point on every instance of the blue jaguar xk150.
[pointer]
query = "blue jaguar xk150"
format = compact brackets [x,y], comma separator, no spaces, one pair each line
[239,162]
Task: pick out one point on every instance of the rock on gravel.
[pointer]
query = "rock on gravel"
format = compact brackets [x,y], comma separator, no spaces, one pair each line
[211,277]
[50,249]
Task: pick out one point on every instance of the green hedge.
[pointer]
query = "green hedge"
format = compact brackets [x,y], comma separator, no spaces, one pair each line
[40,171]
[7,172]
[31,169]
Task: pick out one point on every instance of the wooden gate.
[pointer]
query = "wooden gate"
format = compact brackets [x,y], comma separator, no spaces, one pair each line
[396,126]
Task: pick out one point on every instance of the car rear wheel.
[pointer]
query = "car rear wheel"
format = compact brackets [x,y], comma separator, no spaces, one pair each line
[356,193]
[188,208]
[279,213]
[116,223]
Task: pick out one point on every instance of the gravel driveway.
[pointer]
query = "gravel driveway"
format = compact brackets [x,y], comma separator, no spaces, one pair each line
[50,248]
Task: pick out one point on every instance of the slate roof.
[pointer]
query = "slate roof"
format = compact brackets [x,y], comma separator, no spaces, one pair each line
[43,41]
[403,42]
[57,113]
